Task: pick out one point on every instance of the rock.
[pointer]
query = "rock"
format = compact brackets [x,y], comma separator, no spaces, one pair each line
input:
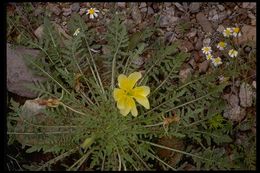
[203,67]
[150,11]
[142,5]
[199,44]
[206,42]
[203,21]
[179,6]
[121,4]
[39,31]
[221,7]
[139,61]
[192,63]
[245,95]
[18,74]
[248,34]
[136,15]
[31,108]
[164,21]
[233,100]
[75,7]
[54,9]
[222,16]
[248,5]
[194,7]
[254,84]
[66,11]
[143,10]
[167,4]
[221,28]
[235,113]
[192,34]
[82,11]
[187,45]
[170,36]
[185,72]
[106,50]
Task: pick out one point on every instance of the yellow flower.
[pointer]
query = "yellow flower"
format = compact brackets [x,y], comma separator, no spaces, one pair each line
[206,50]
[221,45]
[227,32]
[209,56]
[217,61]
[92,13]
[236,32]
[232,53]
[127,94]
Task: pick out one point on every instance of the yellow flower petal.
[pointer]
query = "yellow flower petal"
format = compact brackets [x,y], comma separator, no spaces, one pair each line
[118,93]
[124,112]
[129,104]
[134,111]
[141,91]
[121,103]
[123,82]
[143,101]
[134,77]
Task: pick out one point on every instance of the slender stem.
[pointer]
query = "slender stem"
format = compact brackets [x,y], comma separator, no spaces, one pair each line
[139,158]
[114,64]
[81,113]
[103,162]
[54,160]
[163,162]
[81,160]
[178,151]
[153,125]
[119,160]
[36,133]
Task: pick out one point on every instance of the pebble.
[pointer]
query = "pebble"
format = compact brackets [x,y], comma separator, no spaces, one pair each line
[203,67]
[150,11]
[203,21]
[121,4]
[245,95]
[142,5]
[143,10]
[136,15]
[221,7]
[75,7]
[66,11]
[194,7]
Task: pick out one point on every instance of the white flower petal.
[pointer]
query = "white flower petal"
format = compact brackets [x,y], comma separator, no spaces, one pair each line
[95,14]
[91,16]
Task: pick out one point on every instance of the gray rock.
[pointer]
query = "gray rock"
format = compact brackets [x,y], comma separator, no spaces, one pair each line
[185,73]
[192,33]
[192,63]
[32,108]
[254,84]
[233,100]
[221,28]
[248,34]
[194,7]
[245,95]
[121,4]
[150,11]
[18,74]
[139,61]
[136,15]
[75,7]
[82,11]
[206,42]
[221,7]
[170,36]
[235,113]
[222,16]
[142,5]
[54,9]
[203,67]
[203,21]
[199,44]
[248,5]
[179,6]
[143,10]
[164,21]
[66,11]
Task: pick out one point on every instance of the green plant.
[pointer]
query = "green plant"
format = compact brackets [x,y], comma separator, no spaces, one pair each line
[79,114]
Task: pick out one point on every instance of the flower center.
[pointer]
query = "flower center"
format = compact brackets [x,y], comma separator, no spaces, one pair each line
[91,11]
[236,30]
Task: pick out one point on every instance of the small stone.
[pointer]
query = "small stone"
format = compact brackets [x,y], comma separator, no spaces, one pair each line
[254,84]
[192,34]
[179,6]
[245,95]
[136,15]
[199,44]
[66,11]
[248,34]
[221,7]
[248,5]
[143,10]
[185,73]
[185,45]
[39,32]
[75,7]
[220,28]
[203,67]
[142,5]
[82,11]
[164,21]
[18,73]
[237,83]
[139,61]
[194,7]
[203,21]
[121,4]
[54,8]
[170,37]
[233,100]
[234,113]
[206,42]
[167,4]
[150,11]
[192,63]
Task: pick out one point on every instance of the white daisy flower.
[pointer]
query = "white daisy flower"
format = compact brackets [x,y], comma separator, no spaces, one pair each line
[206,50]
[221,45]
[232,53]
[216,61]
[92,13]
[208,56]
[236,32]
[227,32]
[76,32]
